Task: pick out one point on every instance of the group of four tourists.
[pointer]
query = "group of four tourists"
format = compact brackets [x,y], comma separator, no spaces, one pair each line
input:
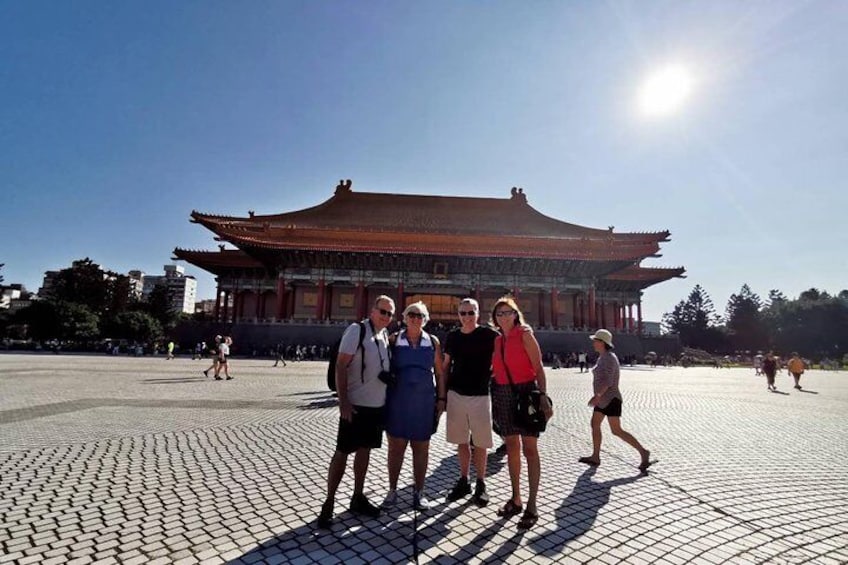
[402,383]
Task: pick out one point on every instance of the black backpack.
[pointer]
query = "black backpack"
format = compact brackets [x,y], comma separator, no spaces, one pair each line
[334,355]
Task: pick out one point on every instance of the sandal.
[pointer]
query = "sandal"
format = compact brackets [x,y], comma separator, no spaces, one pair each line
[528,520]
[643,467]
[589,461]
[510,509]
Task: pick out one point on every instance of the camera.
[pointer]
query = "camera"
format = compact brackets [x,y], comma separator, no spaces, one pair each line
[387,377]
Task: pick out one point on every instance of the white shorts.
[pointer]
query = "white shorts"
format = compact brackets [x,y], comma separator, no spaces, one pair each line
[469,415]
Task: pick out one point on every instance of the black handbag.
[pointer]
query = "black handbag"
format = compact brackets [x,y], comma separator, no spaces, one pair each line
[527,407]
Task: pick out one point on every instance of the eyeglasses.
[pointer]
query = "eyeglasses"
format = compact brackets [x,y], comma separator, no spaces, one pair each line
[385,312]
[418,315]
[469,313]
[504,313]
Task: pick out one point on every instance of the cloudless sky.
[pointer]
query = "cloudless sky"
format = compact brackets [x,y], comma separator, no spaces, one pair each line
[119,118]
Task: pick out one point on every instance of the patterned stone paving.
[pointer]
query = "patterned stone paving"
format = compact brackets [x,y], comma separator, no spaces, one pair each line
[124,460]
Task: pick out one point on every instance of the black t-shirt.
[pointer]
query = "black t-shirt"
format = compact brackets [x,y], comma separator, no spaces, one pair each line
[471,360]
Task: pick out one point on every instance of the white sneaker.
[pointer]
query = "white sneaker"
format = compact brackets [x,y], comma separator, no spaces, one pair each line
[420,502]
[390,501]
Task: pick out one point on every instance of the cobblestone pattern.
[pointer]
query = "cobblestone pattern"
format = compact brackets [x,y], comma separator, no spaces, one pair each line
[145,461]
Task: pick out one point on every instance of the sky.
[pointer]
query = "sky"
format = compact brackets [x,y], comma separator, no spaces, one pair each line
[117,119]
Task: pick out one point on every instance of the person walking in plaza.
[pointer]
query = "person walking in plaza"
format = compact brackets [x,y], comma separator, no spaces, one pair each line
[517,369]
[224,358]
[170,351]
[796,367]
[414,402]
[607,401]
[360,364]
[468,367]
[769,369]
[280,352]
[214,351]
[581,360]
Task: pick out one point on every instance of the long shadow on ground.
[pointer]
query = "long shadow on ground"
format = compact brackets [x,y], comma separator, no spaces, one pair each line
[577,512]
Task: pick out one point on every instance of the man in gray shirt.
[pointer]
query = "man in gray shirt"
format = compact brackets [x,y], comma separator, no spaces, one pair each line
[607,401]
[362,395]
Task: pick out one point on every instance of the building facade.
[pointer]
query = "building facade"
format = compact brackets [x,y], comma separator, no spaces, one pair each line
[328,263]
[181,288]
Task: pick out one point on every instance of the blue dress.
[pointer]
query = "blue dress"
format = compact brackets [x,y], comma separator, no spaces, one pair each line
[411,403]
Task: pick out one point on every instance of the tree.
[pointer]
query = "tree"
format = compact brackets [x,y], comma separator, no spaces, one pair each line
[56,319]
[83,283]
[696,321]
[745,322]
[135,326]
[158,305]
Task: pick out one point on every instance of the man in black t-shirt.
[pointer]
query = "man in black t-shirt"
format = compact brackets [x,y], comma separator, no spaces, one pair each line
[468,364]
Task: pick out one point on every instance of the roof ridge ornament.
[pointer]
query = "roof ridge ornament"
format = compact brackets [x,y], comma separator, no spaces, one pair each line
[344,187]
[518,195]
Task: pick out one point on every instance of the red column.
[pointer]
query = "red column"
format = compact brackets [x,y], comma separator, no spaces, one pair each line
[639,316]
[360,300]
[616,315]
[290,298]
[630,317]
[217,314]
[477,294]
[515,293]
[328,302]
[319,304]
[603,314]
[258,308]
[281,298]
[582,301]
[593,311]
[554,308]
[224,317]
[400,302]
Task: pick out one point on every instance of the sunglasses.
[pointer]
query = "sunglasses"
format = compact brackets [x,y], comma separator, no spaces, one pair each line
[469,313]
[385,312]
[418,315]
[504,313]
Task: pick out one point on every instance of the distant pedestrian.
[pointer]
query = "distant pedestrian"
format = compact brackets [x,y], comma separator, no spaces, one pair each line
[215,360]
[280,352]
[581,360]
[769,369]
[607,401]
[170,351]
[796,368]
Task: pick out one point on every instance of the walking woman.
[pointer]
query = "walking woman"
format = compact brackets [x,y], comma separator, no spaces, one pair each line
[517,368]
[607,401]
[412,405]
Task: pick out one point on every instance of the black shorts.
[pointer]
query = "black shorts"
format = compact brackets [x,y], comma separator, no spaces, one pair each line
[612,409]
[365,430]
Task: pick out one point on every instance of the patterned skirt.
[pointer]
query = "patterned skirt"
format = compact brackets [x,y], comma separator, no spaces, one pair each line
[503,409]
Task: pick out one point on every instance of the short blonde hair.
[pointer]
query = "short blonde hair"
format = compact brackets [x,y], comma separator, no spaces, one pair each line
[421,308]
[382,298]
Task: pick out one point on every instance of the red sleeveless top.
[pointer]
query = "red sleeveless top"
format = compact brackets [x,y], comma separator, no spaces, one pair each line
[520,367]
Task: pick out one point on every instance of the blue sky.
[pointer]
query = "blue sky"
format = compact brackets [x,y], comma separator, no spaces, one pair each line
[119,118]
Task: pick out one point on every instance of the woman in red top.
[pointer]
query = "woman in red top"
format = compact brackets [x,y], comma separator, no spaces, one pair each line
[517,357]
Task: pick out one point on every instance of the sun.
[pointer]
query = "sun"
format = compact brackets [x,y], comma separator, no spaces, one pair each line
[665,91]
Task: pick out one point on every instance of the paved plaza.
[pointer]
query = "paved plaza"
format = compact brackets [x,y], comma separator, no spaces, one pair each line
[125,460]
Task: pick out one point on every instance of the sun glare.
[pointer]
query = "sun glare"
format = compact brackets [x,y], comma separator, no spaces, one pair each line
[665,91]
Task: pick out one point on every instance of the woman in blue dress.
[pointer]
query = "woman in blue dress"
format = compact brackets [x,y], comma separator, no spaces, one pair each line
[413,407]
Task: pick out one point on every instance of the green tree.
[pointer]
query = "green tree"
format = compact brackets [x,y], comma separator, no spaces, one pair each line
[745,322]
[158,305]
[136,326]
[83,283]
[696,321]
[56,319]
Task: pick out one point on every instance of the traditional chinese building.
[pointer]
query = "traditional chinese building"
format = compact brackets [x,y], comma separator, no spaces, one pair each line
[327,263]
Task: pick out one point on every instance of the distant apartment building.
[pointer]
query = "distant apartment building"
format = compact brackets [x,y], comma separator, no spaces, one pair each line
[136,279]
[205,306]
[14,297]
[182,288]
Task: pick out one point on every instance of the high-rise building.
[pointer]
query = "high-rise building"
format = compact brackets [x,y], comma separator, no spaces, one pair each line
[182,288]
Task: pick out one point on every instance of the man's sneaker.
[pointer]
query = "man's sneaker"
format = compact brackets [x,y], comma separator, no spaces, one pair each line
[480,497]
[360,505]
[325,518]
[460,490]
[229,378]
[206,373]
[390,501]
[419,501]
